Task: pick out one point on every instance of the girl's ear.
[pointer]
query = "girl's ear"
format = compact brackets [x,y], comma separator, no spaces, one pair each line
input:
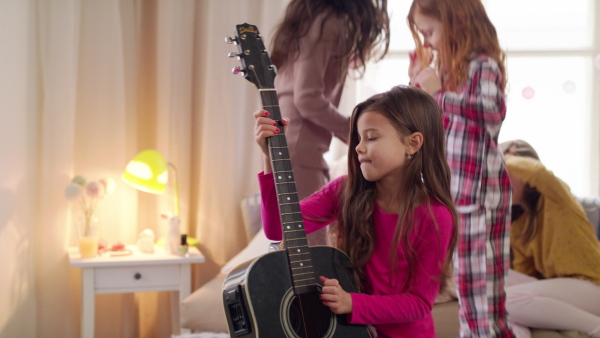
[414,142]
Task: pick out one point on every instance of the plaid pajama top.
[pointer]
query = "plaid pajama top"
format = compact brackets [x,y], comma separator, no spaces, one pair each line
[472,118]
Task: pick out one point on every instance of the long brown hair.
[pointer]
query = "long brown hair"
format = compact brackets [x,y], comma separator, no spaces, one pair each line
[427,175]
[466,30]
[364,23]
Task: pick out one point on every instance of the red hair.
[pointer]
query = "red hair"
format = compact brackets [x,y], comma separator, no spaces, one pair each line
[466,30]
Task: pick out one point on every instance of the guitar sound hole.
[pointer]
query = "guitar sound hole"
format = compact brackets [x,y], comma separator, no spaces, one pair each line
[296,317]
[309,318]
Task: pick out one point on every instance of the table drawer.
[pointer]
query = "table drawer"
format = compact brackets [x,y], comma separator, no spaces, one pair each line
[140,278]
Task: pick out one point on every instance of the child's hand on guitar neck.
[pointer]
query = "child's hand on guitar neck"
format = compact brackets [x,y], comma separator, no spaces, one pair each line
[333,296]
[266,127]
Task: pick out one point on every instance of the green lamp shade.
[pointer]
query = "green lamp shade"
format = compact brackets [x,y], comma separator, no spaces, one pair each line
[147,172]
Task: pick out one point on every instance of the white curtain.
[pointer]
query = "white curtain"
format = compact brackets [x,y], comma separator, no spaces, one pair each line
[84,86]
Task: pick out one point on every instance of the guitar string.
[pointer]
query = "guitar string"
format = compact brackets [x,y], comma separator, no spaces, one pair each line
[270,95]
[280,151]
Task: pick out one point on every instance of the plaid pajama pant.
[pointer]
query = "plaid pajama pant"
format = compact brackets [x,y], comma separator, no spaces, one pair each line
[481,261]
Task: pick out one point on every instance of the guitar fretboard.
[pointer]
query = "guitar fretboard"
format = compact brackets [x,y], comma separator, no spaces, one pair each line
[294,234]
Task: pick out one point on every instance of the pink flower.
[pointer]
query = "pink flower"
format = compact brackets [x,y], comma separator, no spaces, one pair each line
[94,189]
[109,185]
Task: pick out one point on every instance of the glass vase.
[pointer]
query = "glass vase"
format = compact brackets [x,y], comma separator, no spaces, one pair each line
[88,232]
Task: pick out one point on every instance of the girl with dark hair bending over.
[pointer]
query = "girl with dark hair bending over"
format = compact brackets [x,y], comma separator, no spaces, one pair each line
[394,213]
[555,283]
[314,47]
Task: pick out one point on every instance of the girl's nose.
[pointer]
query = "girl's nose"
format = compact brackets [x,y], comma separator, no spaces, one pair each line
[359,148]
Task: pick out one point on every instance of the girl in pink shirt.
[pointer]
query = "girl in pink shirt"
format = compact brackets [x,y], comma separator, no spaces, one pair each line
[394,213]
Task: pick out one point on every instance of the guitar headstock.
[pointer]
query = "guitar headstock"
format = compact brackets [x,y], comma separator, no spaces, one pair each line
[254,57]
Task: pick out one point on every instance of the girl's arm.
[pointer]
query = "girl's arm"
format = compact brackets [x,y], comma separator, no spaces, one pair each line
[535,174]
[312,69]
[318,210]
[483,101]
[417,302]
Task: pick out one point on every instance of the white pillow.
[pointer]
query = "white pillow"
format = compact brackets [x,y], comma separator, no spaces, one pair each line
[258,246]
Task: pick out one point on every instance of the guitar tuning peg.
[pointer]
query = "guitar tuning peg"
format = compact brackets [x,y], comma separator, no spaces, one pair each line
[233,54]
[231,40]
[237,70]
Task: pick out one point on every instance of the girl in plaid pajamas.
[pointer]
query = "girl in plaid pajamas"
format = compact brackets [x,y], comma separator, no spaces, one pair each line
[468,83]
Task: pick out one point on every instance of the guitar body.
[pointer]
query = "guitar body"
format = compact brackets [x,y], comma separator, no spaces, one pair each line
[259,299]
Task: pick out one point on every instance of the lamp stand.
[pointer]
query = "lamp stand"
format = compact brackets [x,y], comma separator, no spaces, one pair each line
[175,189]
[173,240]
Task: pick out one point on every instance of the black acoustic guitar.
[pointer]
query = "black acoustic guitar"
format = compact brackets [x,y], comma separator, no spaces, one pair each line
[277,294]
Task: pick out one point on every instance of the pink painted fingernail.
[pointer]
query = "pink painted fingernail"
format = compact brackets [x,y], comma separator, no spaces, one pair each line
[274,123]
[276,130]
[266,113]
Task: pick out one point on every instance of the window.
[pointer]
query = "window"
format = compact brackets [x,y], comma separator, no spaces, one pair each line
[553,73]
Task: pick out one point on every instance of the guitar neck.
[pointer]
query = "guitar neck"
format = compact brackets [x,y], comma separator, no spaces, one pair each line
[294,234]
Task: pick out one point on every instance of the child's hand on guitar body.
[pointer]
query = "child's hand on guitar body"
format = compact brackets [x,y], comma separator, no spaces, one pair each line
[333,296]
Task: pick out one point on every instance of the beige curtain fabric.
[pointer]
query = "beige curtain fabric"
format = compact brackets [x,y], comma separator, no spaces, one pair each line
[84,86]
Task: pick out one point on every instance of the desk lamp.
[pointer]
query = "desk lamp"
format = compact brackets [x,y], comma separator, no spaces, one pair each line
[148,171]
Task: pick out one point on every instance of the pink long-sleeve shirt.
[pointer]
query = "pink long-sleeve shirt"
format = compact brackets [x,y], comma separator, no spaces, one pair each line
[393,313]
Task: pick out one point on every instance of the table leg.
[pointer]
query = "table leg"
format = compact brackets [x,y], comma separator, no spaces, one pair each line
[184,291]
[87,303]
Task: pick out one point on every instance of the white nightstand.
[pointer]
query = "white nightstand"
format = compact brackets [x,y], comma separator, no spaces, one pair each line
[137,272]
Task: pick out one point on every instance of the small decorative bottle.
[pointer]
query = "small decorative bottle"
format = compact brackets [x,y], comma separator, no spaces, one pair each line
[183,247]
